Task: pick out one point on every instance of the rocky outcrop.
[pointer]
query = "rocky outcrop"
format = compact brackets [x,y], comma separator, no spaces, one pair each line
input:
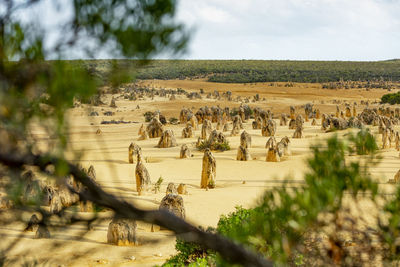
[243,154]
[272,154]
[208,173]
[174,204]
[317,114]
[308,110]
[271,142]
[257,123]
[283,147]
[167,139]
[269,129]
[122,232]
[183,115]
[171,189]
[185,152]
[313,122]
[386,142]
[187,132]
[42,231]
[112,104]
[133,150]
[143,182]
[298,133]
[206,129]
[348,112]
[292,112]
[155,128]
[182,190]
[283,120]
[245,140]
[338,124]
[142,129]
[33,224]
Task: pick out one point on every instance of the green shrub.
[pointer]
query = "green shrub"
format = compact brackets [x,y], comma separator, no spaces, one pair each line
[364,142]
[216,146]
[228,223]
[391,98]
[157,185]
[191,254]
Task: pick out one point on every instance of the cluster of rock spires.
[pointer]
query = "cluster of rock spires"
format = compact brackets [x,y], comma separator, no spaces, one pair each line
[243,153]
[276,150]
[56,197]
[123,231]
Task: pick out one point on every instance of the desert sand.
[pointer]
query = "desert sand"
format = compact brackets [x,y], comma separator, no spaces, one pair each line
[237,183]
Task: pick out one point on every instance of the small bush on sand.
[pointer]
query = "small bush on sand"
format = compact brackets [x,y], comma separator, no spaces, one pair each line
[157,185]
[191,254]
[364,142]
[391,98]
[224,146]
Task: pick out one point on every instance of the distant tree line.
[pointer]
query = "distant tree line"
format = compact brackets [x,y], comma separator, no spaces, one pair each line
[249,71]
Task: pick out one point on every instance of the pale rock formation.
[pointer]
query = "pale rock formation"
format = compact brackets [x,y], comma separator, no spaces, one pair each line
[155,128]
[386,139]
[245,140]
[185,152]
[257,123]
[171,189]
[142,129]
[182,190]
[283,120]
[42,232]
[208,173]
[317,114]
[133,150]
[174,204]
[269,129]
[143,136]
[298,133]
[143,182]
[283,147]
[313,122]
[272,154]
[112,104]
[292,112]
[206,129]
[122,232]
[271,142]
[167,139]
[243,154]
[33,224]
[187,132]
[348,112]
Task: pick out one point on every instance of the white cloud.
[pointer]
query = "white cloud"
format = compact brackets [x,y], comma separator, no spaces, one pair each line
[297,29]
[214,15]
[273,29]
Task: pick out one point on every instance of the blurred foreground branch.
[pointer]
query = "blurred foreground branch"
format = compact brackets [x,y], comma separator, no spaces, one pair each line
[228,249]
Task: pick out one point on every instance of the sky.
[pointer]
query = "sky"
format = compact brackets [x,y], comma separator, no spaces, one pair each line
[292,29]
[361,30]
